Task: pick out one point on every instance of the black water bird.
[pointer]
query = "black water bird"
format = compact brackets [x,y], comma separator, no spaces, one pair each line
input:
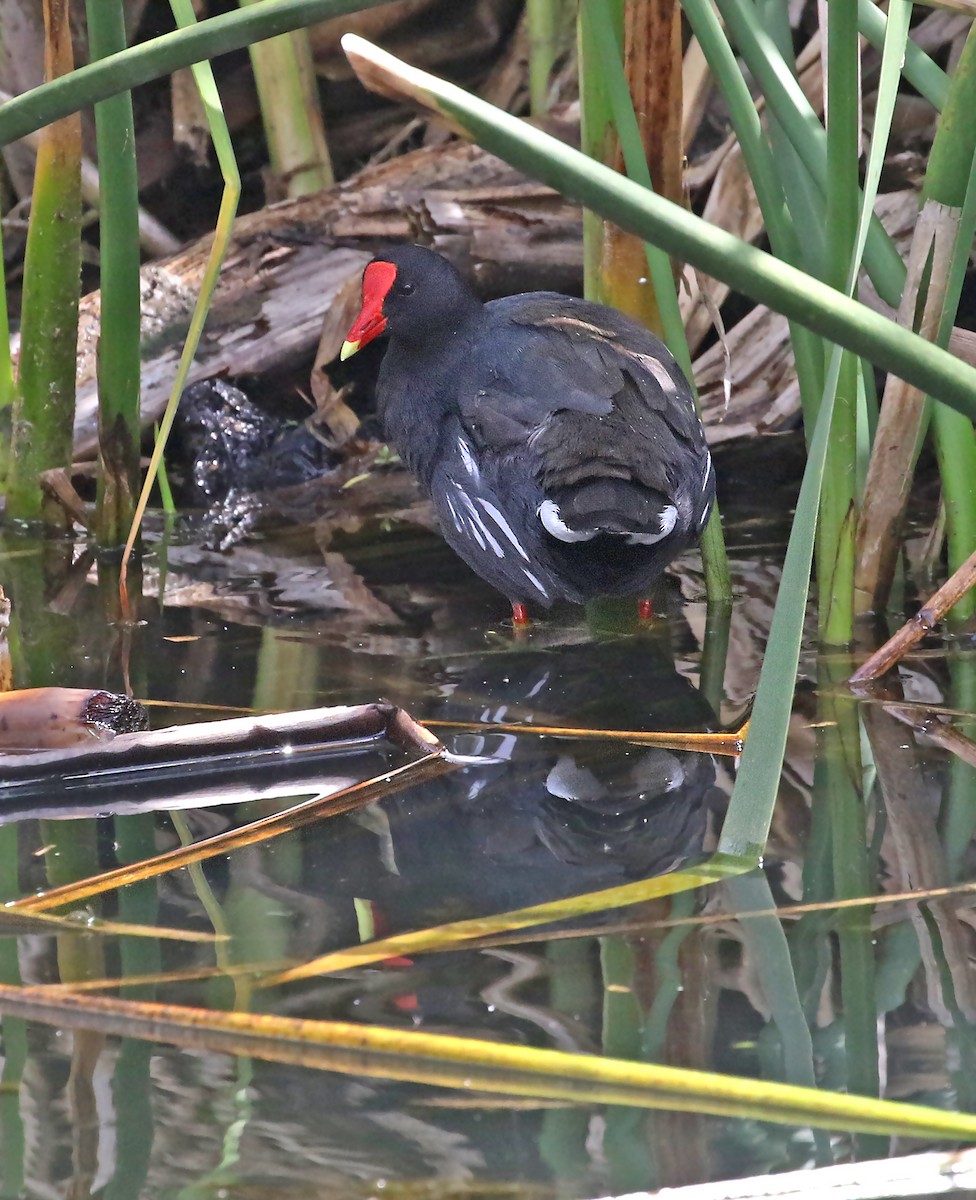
[557,438]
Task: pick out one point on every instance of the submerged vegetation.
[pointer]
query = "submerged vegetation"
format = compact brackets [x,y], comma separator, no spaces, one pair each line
[785,193]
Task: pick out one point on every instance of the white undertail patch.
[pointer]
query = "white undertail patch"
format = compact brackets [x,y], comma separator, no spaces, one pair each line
[548,514]
[668,518]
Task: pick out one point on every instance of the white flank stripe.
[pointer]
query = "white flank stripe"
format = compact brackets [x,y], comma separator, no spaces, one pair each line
[464,525]
[476,523]
[708,470]
[468,459]
[503,525]
[535,581]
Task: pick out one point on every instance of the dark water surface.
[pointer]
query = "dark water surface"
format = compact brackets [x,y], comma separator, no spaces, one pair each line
[879,999]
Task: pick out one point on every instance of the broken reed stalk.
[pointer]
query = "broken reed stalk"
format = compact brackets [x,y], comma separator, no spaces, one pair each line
[475,1065]
[939,603]
[56,718]
[43,412]
[232,762]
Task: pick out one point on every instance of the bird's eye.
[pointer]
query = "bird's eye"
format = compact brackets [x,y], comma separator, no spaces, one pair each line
[406,289]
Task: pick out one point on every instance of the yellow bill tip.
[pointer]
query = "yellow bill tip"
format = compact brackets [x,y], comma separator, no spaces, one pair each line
[348,350]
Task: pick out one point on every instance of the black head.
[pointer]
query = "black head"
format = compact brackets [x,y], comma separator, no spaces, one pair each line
[415,294]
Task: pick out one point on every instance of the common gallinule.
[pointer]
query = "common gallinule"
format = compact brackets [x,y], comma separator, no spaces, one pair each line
[558,439]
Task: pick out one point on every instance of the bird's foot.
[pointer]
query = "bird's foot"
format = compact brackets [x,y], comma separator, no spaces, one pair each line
[520,616]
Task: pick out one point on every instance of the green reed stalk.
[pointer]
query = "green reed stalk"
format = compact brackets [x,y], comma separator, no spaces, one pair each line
[544,18]
[119,363]
[808,350]
[8,384]
[958,815]
[291,112]
[596,128]
[70,853]
[804,196]
[13,1031]
[714,655]
[223,148]
[838,517]
[920,71]
[765,943]
[758,778]
[808,137]
[162,56]
[564,1132]
[628,1154]
[131,1081]
[837,789]
[44,409]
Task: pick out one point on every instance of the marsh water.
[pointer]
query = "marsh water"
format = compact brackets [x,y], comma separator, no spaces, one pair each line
[876,801]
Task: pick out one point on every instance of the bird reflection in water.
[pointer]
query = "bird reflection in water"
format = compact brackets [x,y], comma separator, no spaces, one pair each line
[541,817]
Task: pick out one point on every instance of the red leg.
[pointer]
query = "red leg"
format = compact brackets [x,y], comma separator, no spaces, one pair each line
[520,615]
[645,609]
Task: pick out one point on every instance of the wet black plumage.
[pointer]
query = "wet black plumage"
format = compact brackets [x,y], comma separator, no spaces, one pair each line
[558,438]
